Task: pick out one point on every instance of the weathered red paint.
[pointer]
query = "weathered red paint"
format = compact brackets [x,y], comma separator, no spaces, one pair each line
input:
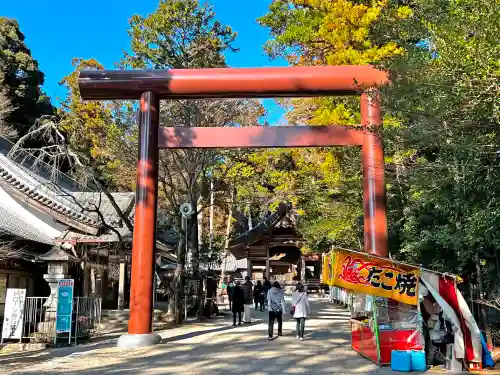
[230,82]
[144,240]
[151,86]
[375,220]
[260,137]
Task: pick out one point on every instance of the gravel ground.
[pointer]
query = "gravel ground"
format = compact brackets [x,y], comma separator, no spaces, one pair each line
[214,348]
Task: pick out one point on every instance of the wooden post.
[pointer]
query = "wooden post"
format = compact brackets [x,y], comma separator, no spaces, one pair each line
[268,268]
[249,269]
[86,272]
[302,269]
[121,283]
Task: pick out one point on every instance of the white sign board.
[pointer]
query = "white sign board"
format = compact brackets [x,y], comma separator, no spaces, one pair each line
[13,314]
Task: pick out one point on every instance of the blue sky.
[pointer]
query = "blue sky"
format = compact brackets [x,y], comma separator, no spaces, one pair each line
[58,30]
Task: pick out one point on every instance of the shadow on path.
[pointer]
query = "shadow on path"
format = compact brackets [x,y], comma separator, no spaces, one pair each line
[229,350]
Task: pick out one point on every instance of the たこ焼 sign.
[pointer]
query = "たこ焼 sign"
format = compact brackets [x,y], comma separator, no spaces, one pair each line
[375,276]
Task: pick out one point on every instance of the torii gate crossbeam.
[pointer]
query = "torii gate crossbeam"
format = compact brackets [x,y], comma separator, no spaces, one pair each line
[150,86]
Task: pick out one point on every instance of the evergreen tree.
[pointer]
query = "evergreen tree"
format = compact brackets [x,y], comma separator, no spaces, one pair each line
[20,78]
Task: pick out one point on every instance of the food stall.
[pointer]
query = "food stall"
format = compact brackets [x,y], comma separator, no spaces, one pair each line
[378,328]
[386,313]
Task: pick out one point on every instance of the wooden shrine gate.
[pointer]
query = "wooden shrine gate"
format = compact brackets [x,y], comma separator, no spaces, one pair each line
[151,86]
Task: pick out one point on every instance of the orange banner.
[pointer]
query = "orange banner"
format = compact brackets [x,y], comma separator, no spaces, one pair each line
[378,277]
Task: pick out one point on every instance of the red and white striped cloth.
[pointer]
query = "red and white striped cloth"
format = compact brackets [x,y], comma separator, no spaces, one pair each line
[449,298]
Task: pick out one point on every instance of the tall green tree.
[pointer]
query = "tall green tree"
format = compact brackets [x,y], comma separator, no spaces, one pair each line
[441,113]
[317,182]
[328,189]
[186,34]
[20,78]
[6,131]
[445,94]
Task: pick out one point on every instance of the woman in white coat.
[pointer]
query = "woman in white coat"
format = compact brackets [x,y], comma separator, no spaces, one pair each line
[300,303]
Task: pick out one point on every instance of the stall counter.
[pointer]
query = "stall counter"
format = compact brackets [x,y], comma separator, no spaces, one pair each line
[364,341]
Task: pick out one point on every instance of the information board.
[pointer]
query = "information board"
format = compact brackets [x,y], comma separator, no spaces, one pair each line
[64,305]
[13,314]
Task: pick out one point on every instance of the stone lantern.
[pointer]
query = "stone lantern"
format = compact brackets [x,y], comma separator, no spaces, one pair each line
[57,269]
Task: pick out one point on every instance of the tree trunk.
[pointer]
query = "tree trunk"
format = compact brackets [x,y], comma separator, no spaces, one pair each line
[179,276]
[211,224]
[199,219]
[195,264]
[171,305]
[482,311]
[226,243]
[194,245]
[250,224]
[199,209]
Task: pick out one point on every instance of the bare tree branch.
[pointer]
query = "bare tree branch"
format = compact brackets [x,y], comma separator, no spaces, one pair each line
[56,152]
[12,249]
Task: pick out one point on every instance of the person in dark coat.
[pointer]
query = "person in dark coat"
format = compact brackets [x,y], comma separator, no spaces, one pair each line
[230,290]
[266,286]
[258,297]
[238,302]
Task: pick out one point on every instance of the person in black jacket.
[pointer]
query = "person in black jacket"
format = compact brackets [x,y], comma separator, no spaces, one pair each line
[230,290]
[258,296]
[266,287]
[238,302]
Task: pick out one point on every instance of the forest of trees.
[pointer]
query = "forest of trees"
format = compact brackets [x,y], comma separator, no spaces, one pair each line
[441,119]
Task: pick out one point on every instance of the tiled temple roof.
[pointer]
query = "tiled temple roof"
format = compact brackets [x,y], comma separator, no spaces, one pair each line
[38,210]
[13,225]
[21,180]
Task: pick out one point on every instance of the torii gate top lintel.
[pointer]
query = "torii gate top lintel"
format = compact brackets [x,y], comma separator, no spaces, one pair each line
[150,86]
[230,82]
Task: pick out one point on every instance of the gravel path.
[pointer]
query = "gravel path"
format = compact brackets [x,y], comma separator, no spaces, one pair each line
[214,348]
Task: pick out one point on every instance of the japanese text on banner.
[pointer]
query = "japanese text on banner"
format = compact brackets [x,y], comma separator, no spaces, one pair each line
[377,277]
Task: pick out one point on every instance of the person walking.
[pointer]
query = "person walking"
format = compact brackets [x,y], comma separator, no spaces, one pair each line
[275,305]
[230,290]
[238,299]
[248,290]
[257,296]
[265,288]
[301,309]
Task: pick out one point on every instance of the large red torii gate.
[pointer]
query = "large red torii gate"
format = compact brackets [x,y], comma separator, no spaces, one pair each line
[150,86]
